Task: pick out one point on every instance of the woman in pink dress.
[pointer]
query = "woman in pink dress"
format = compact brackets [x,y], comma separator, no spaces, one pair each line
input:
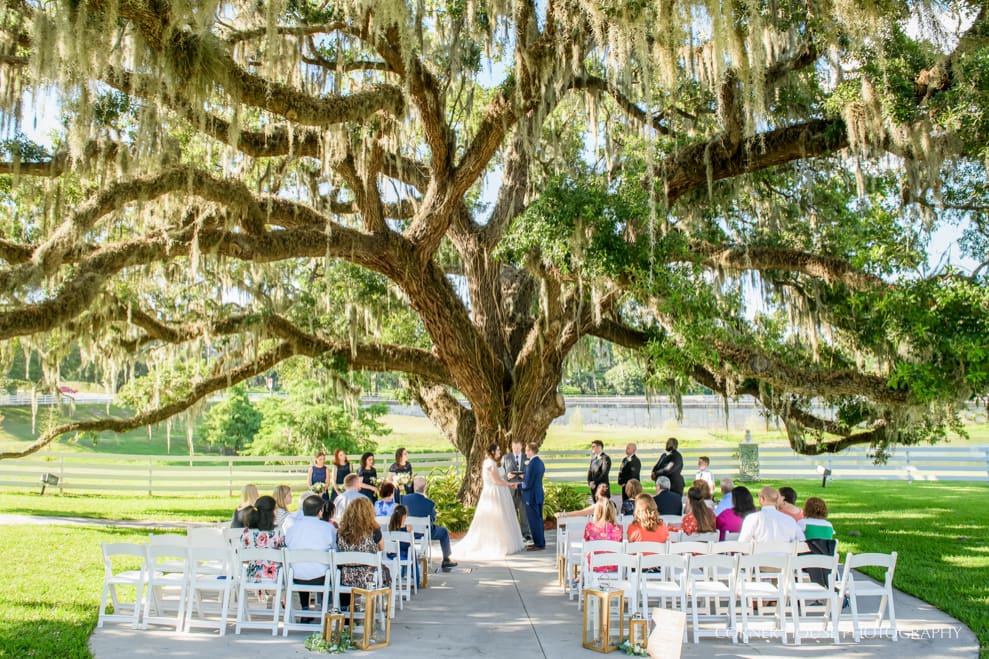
[730,519]
[603,527]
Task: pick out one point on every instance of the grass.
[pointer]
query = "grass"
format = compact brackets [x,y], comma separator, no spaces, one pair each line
[940,530]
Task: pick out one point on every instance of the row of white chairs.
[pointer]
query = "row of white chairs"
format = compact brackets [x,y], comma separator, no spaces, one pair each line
[715,585]
[186,567]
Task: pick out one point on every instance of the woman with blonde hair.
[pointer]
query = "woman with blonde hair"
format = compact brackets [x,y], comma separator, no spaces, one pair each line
[248,495]
[648,526]
[359,531]
[283,499]
[603,527]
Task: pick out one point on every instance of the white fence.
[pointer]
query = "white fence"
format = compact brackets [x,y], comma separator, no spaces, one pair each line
[80,473]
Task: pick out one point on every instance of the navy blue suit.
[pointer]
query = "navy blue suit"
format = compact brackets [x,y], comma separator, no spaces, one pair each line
[532,496]
[421,506]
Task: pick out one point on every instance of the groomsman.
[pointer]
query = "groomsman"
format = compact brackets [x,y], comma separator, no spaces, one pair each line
[600,466]
[630,469]
[514,463]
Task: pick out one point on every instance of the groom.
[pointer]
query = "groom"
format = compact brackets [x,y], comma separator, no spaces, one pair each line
[532,496]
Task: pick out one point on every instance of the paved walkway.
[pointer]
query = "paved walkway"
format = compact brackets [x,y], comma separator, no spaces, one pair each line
[515,608]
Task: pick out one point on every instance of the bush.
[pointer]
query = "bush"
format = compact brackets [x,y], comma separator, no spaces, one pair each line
[561,497]
[444,484]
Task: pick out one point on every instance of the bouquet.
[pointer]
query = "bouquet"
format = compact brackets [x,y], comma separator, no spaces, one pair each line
[403,479]
[318,488]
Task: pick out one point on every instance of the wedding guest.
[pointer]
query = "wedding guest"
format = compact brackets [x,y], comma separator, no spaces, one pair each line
[262,534]
[603,527]
[704,471]
[419,505]
[788,504]
[341,469]
[283,499]
[248,495]
[326,513]
[385,505]
[317,474]
[730,520]
[647,526]
[699,517]
[309,532]
[359,531]
[633,488]
[769,524]
[671,466]
[815,524]
[369,475]
[398,522]
[401,473]
[667,501]
[727,485]
[602,493]
[351,492]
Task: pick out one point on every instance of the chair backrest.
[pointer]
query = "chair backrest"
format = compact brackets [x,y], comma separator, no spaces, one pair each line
[646,548]
[772,547]
[161,553]
[212,561]
[731,536]
[253,555]
[205,536]
[623,562]
[675,536]
[672,520]
[688,547]
[172,539]
[855,561]
[730,547]
[317,556]
[112,549]
[420,525]
[705,567]
[713,536]
[232,536]
[610,546]
[759,567]
[670,566]
[399,536]
[365,558]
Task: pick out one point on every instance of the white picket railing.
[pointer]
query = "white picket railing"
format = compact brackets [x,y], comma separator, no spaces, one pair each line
[213,474]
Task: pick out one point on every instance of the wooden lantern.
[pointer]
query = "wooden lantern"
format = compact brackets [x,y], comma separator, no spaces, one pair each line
[638,631]
[370,626]
[604,619]
[333,627]
[423,572]
[561,570]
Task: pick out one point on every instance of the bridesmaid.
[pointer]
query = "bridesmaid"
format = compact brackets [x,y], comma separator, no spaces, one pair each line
[317,474]
[341,469]
[401,473]
[368,475]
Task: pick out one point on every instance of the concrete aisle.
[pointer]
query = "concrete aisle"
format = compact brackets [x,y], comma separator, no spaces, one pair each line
[515,609]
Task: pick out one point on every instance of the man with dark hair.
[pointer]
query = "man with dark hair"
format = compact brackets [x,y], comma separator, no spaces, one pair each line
[630,469]
[600,466]
[310,532]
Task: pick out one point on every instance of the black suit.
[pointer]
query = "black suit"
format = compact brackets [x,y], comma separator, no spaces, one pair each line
[669,503]
[630,469]
[598,472]
[670,465]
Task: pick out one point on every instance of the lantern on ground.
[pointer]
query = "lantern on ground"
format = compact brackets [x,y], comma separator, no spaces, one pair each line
[604,619]
[638,631]
[333,627]
[370,626]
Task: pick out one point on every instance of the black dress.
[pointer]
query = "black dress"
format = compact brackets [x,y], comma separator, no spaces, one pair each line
[368,476]
[342,472]
[670,465]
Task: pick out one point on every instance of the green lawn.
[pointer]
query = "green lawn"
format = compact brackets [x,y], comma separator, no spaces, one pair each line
[941,531]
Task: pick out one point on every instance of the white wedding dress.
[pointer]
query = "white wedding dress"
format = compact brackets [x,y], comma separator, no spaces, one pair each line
[494,532]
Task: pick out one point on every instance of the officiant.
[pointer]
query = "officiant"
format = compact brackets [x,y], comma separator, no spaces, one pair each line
[514,462]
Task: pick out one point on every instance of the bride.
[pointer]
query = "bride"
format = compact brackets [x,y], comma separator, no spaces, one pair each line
[494,532]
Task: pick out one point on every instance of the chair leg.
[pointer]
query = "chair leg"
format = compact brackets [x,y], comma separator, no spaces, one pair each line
[795,611]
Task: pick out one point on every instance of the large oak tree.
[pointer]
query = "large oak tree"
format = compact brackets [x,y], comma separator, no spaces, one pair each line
[462,192]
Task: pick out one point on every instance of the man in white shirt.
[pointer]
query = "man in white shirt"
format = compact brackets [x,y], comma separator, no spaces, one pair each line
[310,532]
[351,491]
[769,524]
[726,487]
[703,472]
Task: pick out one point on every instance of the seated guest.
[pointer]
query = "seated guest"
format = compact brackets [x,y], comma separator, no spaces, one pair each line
[730,520]
[705,492]
[815,524]
[310,532]
[248,495]
[667,502]
[385,504]
[769,524]
[359,531]
[726,487]
[699,517]
[326,512]
[633,488]
[788,504]
[601,493]
[261,533]
[283,499]
[603,527]
[397,522]
[351,492]
[421,506]
[647,526]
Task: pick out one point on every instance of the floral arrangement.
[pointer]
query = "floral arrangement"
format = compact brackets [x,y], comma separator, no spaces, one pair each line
[316,643]
[318,488]
[403,478]
[632,650]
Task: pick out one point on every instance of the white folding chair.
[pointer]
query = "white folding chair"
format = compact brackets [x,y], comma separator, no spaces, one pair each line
[573,552]
[205,536]
[211,570]
[422,527]
[166,570]
[407,573]
[853,588]
[390,557]
[588,549]
[310,560]
[353,558]
[620,572]
[804,591]
[268,589]
[116,575]
[705,582]
[763,578]
[663,578]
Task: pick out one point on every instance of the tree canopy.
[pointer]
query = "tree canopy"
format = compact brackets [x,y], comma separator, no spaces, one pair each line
[743,192]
